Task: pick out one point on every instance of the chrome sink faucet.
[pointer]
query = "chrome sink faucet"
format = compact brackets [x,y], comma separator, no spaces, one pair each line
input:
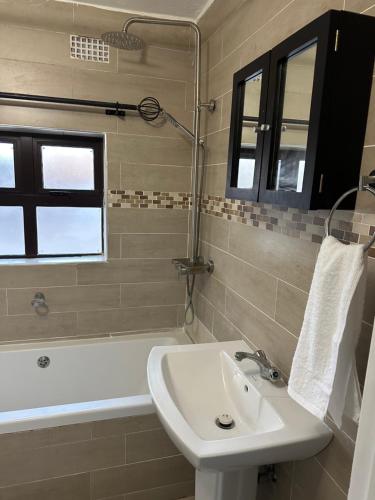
[267,371]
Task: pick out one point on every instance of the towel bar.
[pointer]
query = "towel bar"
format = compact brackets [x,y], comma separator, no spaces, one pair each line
[367,183]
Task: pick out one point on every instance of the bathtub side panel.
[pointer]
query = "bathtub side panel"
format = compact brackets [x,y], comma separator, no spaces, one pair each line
[98,459]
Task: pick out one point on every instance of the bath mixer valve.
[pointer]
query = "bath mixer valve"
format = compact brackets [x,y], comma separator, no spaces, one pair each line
[186,266]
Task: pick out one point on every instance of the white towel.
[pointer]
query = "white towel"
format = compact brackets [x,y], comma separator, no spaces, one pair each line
[323,375]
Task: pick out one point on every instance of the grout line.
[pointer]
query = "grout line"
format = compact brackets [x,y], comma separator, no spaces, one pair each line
[331,477]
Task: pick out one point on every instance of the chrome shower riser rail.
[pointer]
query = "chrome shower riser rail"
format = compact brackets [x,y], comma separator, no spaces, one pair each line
[197,109]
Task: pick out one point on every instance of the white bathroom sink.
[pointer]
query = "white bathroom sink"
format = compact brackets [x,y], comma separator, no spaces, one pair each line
[191,385]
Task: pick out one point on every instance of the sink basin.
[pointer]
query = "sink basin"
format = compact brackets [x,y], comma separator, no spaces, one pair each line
[192,385]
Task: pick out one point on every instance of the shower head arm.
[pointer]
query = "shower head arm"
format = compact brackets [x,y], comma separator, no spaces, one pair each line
[160,21]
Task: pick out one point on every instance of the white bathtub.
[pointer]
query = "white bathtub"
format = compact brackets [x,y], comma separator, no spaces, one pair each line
[86,380]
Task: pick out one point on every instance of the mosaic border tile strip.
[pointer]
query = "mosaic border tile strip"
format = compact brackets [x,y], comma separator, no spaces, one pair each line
[351,227]
[148,199]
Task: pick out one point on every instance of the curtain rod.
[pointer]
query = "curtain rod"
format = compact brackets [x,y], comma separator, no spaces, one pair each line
[111,108]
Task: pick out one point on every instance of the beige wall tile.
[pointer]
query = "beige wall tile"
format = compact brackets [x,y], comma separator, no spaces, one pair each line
[149,150]
[39,438]
[169,492]
[215,231]
[251,283]
[43,463]
[156,178]
[246,20]
[61,299]
[163,246]
[153,294]
[290,307]
[217,147]
[135,477]
[148,445]
[146,220]
[114,246]
[42,14]
[212,290]
[3,302]
[29,326]
[289,259]
[199,333]
[362,351]
[313,483]
[220,77]
[124,320]
[126,425]
[157,62]
[204,311]
[358,5]
[226,110]
[35,78]
[127,271]
[127,88]
[216,14]
[75,487]
[337,458]
[369,311]
[114,175]
[18,43]
[261,331]
[57,119]
[223,329]
[33,276]
[215,179]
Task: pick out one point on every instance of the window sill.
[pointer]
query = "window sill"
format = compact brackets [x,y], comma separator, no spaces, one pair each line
[85,259]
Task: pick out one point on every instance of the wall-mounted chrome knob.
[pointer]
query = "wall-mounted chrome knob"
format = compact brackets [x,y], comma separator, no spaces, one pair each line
[39,304]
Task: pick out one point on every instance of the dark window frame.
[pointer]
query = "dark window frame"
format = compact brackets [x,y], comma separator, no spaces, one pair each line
[29,192]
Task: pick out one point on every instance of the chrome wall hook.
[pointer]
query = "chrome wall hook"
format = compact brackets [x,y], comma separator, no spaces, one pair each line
[39,304]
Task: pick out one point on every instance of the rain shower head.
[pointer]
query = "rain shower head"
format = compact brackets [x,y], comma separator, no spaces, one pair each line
[122,40]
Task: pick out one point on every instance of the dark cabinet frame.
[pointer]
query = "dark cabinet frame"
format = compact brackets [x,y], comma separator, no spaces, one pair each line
[338,116]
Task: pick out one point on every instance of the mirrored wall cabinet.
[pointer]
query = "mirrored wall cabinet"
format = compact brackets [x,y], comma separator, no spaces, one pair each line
[299,115]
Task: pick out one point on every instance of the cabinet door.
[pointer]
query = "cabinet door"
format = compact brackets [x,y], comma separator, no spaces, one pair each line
[297,74]
[248,128]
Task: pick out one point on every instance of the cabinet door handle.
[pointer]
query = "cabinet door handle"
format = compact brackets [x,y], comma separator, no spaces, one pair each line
[264,127]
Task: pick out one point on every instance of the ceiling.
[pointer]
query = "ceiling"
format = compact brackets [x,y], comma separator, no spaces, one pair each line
[181,9]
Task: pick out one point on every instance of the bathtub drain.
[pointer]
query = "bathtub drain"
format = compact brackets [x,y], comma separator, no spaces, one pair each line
[43,361]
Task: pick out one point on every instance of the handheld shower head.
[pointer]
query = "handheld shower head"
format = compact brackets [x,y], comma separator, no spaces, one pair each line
[122,40]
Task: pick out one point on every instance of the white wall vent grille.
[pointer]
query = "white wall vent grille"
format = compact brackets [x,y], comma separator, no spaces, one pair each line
[87,48]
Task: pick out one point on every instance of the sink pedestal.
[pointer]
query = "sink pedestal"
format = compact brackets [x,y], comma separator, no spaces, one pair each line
[230,485]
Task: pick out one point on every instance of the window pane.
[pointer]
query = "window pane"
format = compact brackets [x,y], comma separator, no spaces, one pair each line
[65,167]
[7,179]
[69,230]
[12,240]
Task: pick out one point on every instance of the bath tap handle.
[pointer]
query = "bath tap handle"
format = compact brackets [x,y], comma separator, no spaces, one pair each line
[39,304]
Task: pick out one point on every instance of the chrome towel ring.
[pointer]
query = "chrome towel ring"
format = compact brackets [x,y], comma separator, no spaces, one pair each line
[366,184]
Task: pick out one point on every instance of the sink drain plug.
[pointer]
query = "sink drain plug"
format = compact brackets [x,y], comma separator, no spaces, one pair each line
[224,421]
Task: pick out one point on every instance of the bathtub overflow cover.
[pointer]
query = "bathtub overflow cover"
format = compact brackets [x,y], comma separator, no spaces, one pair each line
[224,421]
[43,361]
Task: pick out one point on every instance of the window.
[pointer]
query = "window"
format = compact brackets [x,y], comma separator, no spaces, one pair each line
[51,195]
